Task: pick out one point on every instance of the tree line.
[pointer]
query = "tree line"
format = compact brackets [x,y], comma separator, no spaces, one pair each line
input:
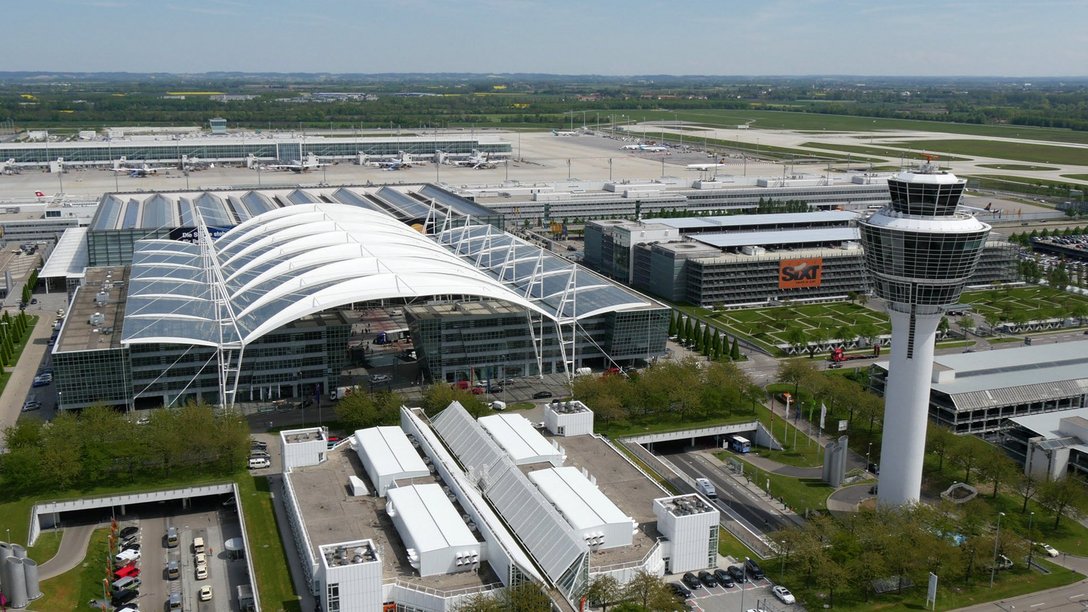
[100,446]
[13,331]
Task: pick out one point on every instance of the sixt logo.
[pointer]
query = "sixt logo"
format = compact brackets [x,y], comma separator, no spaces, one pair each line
[800,273]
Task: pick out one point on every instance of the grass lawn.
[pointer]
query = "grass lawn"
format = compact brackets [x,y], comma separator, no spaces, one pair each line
[19,346]
[807,452]
[1018,151]
[1079,177]
[267,549]
[800,494]
[72,590]
[769,326]
[1024,167]
[911,154]
[46,546]
[730,546]
[950,595]
[1021,184]
[1036,302]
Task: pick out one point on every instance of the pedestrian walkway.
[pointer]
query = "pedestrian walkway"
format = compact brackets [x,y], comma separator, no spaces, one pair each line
[774,467]
[70,553]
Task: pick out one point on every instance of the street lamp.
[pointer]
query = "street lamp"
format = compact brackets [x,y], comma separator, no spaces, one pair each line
[1031,539]
[867,453]
[997,540]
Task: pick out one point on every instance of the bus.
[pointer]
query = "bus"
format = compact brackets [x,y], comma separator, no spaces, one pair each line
[739,444]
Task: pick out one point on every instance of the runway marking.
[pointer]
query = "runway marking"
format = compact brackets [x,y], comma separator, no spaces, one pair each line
[1037,605]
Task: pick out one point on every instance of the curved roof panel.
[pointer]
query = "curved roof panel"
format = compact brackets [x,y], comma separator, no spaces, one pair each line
[288,263]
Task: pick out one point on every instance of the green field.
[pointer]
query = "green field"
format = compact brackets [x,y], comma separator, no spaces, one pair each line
[1019,167]
[818,122]
[1028,152]
[1076,177]
[1032,303]
[871,150]
[770,325]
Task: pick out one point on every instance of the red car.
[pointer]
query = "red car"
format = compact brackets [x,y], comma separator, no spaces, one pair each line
[478,390]
[128,571]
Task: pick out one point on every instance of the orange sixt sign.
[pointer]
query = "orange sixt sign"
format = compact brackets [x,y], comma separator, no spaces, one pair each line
[800,273]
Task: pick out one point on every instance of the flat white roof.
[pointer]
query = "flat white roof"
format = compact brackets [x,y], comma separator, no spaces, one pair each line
[389,452]
[580,501]
[516,435]
[429,517]
[69,258]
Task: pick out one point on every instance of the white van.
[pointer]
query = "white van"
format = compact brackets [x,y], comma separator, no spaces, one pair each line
[706,487]
[128,582]
[125,556]
[198,547]
[258,462]
[171,537]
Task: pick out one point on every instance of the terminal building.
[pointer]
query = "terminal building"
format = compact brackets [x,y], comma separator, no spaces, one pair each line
[182,150]
[473,522]
[253,296]
[741,260]
[1049,446]
[724,195]
[976,393]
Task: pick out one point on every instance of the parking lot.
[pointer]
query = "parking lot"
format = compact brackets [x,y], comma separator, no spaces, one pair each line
[215,523]
[754,594]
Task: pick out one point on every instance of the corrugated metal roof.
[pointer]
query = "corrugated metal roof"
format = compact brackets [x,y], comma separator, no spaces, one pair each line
[549,538]
[1022,394]
[429,517]
[516,435]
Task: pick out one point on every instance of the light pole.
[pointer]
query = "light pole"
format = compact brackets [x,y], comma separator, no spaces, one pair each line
[1031,539]
[867,453]
[744,568]
[997,540]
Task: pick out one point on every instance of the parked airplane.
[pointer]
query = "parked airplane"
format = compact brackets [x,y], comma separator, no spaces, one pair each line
[704,167]
[123,166]
[295,165]
[397,163]
[8,167]
[477,161]
[563,133]
[645,148]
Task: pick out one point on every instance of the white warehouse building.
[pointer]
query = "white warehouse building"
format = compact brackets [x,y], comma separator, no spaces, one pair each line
[387,456]
[437,540]
[516,435]
[595,517]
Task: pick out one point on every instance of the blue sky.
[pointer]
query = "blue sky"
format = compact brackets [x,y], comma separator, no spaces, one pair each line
[614,37]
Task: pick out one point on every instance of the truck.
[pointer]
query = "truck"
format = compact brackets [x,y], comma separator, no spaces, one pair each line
[838,355]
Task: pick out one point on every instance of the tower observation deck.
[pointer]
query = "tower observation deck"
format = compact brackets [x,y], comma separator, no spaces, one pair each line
[919,251]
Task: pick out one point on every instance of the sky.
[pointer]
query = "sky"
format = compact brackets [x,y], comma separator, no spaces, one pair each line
[609,37]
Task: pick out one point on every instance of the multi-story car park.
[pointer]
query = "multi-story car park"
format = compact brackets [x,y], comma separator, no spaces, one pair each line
[1049,446]
[976,393]
[255,312]
[751,259]
[499,512]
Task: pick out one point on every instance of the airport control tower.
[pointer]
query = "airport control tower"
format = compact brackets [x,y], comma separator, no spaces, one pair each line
[919,252]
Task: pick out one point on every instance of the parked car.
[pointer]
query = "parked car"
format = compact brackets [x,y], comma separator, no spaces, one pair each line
[202,572]
[206,593]
[31,405]
[737,573]
[691,581]
[783,594]
[129,531]
[754,569]
[542,395]
[707,579]
[680,590]
[724,578]
[122,597]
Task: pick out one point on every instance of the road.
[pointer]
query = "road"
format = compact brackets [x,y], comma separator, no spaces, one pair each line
[1062,599]
[733,497]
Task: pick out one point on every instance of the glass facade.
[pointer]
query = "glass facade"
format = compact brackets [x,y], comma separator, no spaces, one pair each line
[921,267]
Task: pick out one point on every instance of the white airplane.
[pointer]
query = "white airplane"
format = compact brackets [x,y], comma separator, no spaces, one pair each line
[295,165]
[123,166]
[8,167]
[705,167]
[645,148]
[397,163]
[478,161]
[563,133]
